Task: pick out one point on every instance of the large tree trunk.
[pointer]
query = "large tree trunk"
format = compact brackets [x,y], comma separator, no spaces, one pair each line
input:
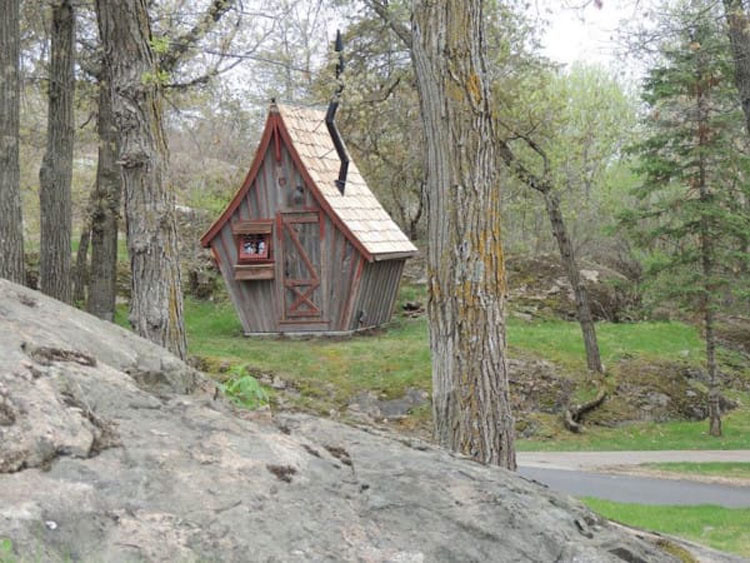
[739,37]
[105,212]
[56,172]
[12,265]
[466,270]
[156,310]
[567,255]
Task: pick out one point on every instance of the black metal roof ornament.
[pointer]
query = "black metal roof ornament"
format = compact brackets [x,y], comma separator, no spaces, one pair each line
[331,115]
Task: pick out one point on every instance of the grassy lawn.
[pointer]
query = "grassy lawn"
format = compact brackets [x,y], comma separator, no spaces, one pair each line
[726,529]
[329,372]
[652,436]
[738,470]
[560,342]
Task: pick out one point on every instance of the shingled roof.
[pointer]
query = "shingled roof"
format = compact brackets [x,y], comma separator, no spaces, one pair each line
[357,209]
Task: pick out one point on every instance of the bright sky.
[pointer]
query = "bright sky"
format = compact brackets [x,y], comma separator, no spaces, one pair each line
[585,34]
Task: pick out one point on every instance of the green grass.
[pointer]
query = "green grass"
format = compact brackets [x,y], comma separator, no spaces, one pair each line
[560,342]
[330,371]
[737,470]
[652,436]
[726,529]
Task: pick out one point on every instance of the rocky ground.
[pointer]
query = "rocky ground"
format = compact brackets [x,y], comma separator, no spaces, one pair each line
[113,450]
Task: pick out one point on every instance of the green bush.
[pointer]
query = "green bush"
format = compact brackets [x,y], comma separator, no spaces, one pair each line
[244,390]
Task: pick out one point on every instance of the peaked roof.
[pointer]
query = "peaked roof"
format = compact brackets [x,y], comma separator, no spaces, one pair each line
[357,211]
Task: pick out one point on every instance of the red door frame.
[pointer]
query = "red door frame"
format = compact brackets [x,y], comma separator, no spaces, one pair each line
[302,288]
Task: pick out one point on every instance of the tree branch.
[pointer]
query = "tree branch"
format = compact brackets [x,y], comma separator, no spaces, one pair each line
[180,46]
[380,7]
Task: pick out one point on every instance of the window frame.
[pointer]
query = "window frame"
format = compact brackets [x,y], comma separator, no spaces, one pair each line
[262,230]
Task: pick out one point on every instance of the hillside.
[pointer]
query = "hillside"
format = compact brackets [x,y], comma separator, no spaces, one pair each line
[104,456]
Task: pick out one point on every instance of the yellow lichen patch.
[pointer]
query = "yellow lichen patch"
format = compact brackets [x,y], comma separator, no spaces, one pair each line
[474,88]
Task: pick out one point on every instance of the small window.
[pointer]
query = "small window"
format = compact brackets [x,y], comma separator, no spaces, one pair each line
[254,247]
[254,240]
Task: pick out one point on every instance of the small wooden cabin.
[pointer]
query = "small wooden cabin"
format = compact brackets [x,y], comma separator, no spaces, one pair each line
[298,254]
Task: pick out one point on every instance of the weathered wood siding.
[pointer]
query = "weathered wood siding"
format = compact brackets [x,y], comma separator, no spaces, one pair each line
[376,294]
[348,283]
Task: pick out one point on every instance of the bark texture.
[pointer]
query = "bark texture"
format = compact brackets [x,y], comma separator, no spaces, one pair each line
[105,211]
[466,270]
[11,222]
[156,309]
[81,270]
[739,37]
[567,255]
[56,172]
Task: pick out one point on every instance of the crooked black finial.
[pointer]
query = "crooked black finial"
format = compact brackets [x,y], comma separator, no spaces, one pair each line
[331,115]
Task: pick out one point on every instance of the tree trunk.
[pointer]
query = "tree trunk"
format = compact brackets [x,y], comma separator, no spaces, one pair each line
[12,265]
[81,277]
[56,172]
[564,244]
[105,211]
[567,255]
[156,309]
[466,270]
[707,249]
[739,37]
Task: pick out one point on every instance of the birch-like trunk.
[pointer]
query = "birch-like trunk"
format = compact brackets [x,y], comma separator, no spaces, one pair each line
[12,265]
[156,309]
[56,172]
[466,270]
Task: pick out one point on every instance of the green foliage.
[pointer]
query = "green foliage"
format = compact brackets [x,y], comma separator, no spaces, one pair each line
[6,551]
[692,214]
[160,45]
[726,529]
[244,390]
[579,119]
[159,77]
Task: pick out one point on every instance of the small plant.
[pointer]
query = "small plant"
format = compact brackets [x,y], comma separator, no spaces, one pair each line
[244,390]
[6,551]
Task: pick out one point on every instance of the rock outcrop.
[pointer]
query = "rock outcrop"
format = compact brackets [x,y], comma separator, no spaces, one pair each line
[104,456]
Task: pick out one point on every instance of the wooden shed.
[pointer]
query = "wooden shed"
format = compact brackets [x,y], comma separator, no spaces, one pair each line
[300,251]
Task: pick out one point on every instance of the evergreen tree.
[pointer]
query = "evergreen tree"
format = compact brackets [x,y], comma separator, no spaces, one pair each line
[691,214]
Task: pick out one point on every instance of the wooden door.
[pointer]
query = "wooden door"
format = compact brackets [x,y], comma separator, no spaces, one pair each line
[301,267]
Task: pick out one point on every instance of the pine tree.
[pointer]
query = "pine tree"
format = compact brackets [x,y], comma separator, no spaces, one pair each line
[694,174]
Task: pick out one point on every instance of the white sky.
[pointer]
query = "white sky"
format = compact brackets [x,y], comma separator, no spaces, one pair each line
[585,34]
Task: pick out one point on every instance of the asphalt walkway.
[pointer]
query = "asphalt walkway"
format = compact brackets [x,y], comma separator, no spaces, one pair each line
[594,474]
[593,460]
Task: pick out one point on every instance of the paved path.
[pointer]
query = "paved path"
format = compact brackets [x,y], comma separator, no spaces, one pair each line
[592,460]
[640,490]
[575,473]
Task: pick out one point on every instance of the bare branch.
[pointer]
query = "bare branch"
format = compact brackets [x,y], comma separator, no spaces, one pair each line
[180,46]
[380,7]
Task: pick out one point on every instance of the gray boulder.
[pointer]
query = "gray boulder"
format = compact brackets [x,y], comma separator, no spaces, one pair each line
[104,457]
